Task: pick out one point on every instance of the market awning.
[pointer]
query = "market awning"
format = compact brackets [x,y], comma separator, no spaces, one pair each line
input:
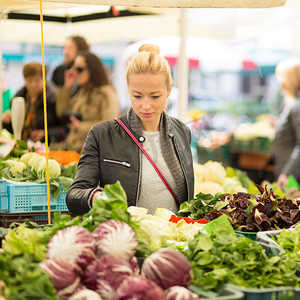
[179,3]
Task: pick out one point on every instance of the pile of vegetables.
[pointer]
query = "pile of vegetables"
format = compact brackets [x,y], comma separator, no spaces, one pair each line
[222,257]
[103,262]
[246,212]
[31,167]
[212,178]
[289,241]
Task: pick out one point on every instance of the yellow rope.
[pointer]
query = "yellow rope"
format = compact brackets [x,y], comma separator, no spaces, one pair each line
[45,113]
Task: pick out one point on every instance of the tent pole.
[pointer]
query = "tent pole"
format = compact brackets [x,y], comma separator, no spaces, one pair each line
[3,16]
[183,69]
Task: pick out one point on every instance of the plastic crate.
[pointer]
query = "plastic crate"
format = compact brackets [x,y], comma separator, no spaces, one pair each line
[3,196]
[227,293]
[251,235]
[276,293]
[63,157]
[29,197]
[267,238]
[41,218]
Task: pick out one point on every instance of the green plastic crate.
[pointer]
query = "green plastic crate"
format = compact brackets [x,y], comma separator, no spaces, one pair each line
[276,293]
[227,293]
[251,235]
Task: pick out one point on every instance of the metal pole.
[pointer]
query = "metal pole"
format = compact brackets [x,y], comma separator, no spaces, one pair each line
[183,70]
[3,16]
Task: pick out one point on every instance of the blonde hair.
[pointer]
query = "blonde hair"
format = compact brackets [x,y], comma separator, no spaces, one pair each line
[288,73]
[148,60]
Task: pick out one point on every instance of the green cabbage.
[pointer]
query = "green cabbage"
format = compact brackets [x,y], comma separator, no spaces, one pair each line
[15,166]
[208,187]
[214,171]
[54,168]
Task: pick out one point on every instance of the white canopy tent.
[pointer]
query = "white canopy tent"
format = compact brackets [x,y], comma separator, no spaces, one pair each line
[175,22]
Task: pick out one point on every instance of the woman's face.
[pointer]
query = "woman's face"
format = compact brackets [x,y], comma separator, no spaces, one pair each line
[148,95]
[70,51]
[34,85]
[83,74]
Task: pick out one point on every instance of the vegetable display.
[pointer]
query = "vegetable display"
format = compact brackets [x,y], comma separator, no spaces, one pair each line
[223,257]
[116,238]
[167,267]
[246,212]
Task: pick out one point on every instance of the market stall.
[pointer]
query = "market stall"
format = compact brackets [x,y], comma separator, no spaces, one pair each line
[208,250]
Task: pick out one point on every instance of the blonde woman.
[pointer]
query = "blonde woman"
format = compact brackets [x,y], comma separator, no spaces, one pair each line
[287,139]
[111,154]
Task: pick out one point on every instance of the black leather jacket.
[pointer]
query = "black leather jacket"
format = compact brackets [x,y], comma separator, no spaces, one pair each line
[109,155]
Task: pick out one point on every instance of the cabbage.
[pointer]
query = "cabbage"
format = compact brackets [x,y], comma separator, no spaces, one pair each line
[136,211]
[167,267]
[104,275]
[35,157]
[214,171]
[154,231]
[85,294]
[163,213]
[25,158]
[115,238]
[179,293]
[208,187]
[74,244]
[232,185]
[65,276]
[139,288]
[198,172]
[54,168]
[15,166]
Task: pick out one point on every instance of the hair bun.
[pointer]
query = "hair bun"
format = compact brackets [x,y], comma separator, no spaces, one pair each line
[149,48]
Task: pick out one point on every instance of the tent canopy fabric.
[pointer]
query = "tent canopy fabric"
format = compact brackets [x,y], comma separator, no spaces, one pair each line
[180,3]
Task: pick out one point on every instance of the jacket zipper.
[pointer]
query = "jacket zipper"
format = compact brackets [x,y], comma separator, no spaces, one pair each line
[139,178]
[180,161]
[123,163]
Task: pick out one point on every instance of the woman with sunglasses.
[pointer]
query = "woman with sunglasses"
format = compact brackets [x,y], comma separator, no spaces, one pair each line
[120,149]
[95,101]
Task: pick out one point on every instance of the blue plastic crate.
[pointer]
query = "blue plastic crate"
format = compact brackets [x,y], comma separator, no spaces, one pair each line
[30,197]
[3,196]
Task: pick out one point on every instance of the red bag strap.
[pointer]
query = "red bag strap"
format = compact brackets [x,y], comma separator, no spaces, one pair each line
[149,158]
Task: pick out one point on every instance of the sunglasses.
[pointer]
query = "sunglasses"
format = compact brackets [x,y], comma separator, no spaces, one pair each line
[80,69]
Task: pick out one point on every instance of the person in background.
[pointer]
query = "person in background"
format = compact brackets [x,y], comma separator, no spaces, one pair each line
[73,45]
[95,101]
[110,154]
[287,139]
[32,92]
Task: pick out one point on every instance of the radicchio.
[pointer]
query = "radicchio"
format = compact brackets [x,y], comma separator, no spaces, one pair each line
[167,267]
[74,244]
[85,294]
[64,276]
[179,293]
[115,238]
[140,288]
[105,274]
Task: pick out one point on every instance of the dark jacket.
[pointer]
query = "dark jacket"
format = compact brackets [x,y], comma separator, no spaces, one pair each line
[55,131]
[287,142]
[110,154]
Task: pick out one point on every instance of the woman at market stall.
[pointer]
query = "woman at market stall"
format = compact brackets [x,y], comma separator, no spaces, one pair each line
[110,153]
[95,101]
[73,45]
[287,140]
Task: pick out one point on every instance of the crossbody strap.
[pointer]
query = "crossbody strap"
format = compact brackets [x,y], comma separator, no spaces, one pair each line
[149,158]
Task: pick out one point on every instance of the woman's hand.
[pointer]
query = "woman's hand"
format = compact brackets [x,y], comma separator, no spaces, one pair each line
[6,117]
[37,135]
[282,181]
[70,78]
[74,123]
